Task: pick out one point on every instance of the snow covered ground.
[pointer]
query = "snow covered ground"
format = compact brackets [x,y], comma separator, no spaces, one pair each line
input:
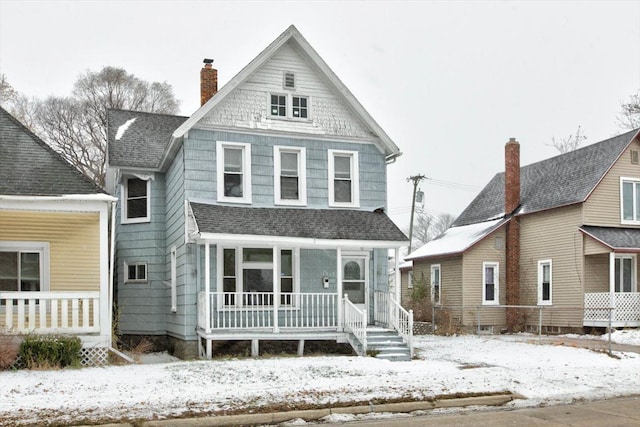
[543,374]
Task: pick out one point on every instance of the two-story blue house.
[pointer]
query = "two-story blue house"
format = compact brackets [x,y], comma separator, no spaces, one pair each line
[259,217]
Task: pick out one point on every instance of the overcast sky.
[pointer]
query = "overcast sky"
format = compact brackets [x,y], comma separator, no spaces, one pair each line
[450,82]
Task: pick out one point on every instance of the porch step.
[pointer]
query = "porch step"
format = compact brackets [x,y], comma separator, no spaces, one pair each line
[387,344]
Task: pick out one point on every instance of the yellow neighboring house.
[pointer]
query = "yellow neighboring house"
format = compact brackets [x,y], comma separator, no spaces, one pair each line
[54,244]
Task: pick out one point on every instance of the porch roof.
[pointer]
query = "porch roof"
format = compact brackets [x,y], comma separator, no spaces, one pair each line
[617,239]
[373,228]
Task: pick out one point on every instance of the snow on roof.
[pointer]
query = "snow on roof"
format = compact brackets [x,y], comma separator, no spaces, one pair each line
[122,129]
[456,239]
[406,264]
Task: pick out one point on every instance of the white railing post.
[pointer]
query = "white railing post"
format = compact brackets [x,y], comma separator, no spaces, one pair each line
[411,333]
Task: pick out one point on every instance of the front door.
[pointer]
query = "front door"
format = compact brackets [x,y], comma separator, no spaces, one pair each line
[355,279]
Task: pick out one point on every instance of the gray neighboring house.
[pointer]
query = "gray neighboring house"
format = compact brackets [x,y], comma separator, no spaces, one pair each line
[560,236]
[54,244]
[255,216]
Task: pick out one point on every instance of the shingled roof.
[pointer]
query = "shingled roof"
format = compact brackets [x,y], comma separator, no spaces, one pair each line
[615,238]
[138,139]
[560,181]
[330,224]
[29,167]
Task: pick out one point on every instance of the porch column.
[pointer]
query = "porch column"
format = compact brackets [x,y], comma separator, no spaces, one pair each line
[612,280]
[398,285]
[276,288]
[207,286]
[339,286]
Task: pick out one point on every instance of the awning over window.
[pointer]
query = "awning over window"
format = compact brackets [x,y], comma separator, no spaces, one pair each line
[305,226]
[617,239]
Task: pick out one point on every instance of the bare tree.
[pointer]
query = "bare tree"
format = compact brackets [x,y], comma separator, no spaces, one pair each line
[569,143]
[20,106]
[427,227]
[76,126]
[629,116]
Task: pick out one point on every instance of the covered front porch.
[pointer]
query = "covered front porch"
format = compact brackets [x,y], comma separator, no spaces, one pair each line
[611,296]
[308,277]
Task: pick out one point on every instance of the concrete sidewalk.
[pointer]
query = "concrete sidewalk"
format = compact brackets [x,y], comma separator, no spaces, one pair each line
[595,345]
[619,412]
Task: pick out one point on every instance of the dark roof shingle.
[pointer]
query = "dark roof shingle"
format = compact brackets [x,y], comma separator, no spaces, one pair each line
[331,224]
[615,238]
[559,181]
[29,167]
[143,142]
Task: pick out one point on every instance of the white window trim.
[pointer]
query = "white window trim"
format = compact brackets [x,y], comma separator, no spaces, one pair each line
[634,283]
[240,264]
[496,275]
[125,204]
[433,268]
[126,272]
[302,175]
[289,107]
[355,179]
[541,263]
[410,279]
[246,171]
[42,248]
[174,279]
[635,196]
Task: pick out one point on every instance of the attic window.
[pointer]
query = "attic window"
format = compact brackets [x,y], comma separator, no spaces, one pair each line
[634,157]
[289,80]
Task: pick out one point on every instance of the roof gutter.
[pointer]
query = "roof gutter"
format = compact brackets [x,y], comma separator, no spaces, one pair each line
[297,241]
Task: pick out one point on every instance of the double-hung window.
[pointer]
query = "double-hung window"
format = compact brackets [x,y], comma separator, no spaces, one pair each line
[490,283]
[630,200]
[435,284]
[136,196]
[290,187]
[24,266]
[625,273]
[234,172]
[279,105]
[344,185]
[544,282]
[250,276]
[410,279]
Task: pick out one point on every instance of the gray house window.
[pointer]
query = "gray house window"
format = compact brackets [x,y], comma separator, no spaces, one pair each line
[279,105]
[136,200]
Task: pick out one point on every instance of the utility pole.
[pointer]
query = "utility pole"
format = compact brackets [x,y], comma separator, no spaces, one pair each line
[416,180]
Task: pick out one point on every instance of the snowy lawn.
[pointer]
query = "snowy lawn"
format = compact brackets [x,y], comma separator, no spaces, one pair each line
[544,374]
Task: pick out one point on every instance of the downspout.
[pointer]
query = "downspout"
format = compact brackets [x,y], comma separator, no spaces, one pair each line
[112,257]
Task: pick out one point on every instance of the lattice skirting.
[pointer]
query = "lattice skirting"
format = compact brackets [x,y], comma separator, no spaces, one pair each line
[94,356]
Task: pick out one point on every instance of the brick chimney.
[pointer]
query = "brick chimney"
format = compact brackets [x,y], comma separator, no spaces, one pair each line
[208,81]
[511,176]
[511,203]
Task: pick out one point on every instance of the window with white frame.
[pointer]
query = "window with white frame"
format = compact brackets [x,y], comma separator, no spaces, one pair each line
[234,172]
[136,196]
[251,273]
[135,272]
[174,279]
[545,286]
[410,279]
[344,185]
[435,284]
[24,266]
[290,186]
[289,106]
[490,283]
[630,200]
[625,273]
[278,105]
[300,107]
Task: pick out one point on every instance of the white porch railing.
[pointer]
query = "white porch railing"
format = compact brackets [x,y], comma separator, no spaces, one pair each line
[390,313]
[50,312]
[624,307]
[355,322]
[265,311]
